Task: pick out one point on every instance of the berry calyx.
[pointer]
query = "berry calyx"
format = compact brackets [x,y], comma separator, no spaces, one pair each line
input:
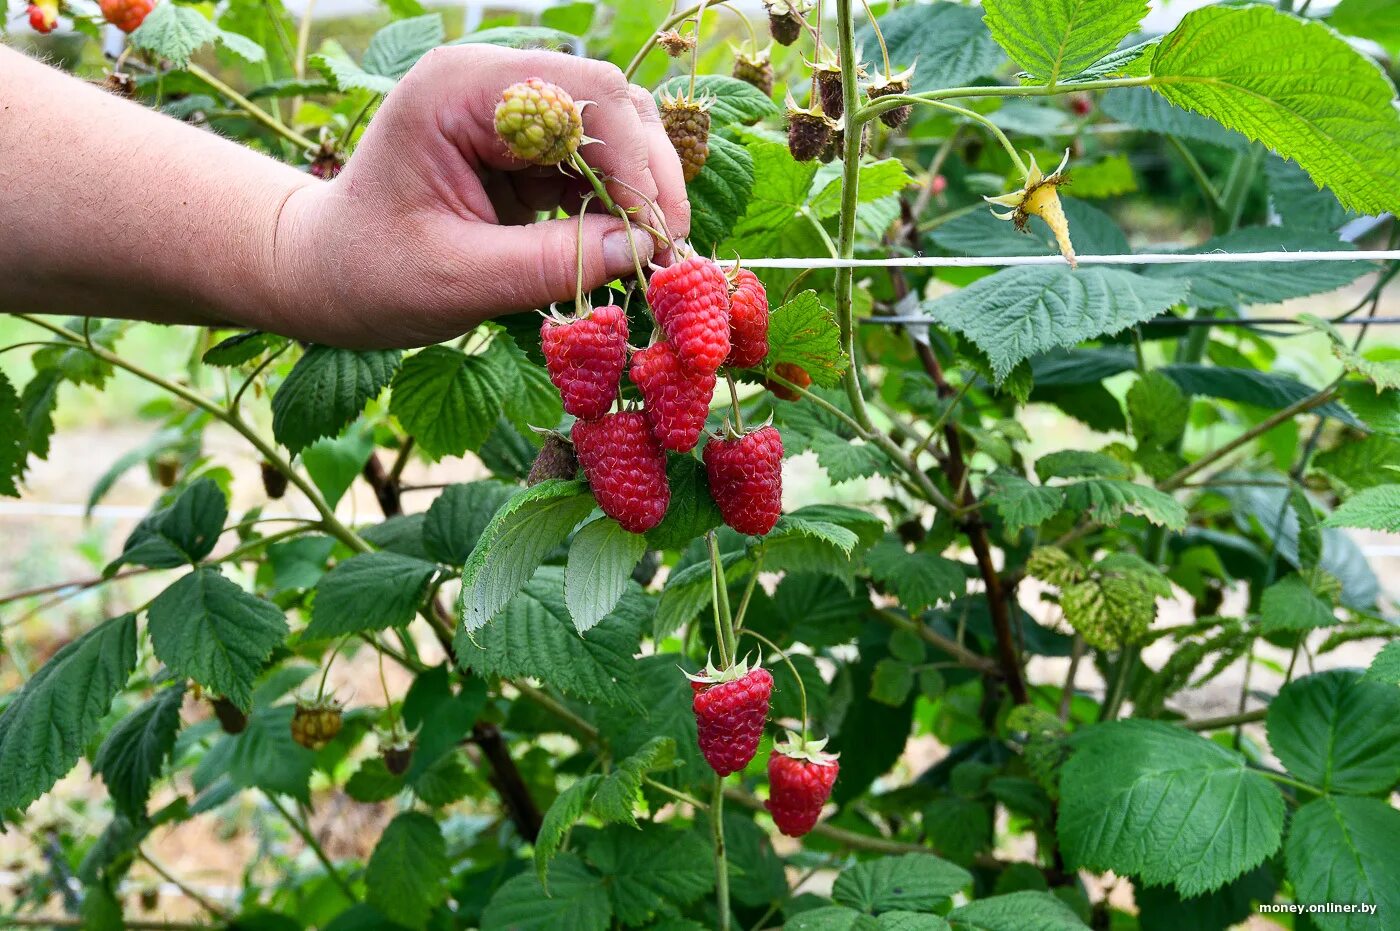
[126,15]
[755,69]
[1040,197]
[43,16]
[748,320]
[539,122]
[690,301]
[800,776]
[687,124]
[888,86]
[809,131]
[676,401]
[675,44]
[731,707]
[585,356]
[555,459]
[625,468]
[746,479]
[792,372]
[315,724]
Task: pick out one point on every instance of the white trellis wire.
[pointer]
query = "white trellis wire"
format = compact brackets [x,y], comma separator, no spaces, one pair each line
[1006,261]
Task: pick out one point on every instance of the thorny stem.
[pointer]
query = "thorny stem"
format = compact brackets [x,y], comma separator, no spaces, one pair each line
[801,687]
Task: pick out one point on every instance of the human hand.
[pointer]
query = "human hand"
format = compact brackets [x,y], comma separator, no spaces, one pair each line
[430,228]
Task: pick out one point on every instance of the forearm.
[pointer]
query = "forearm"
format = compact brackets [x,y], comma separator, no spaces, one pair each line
[111,209]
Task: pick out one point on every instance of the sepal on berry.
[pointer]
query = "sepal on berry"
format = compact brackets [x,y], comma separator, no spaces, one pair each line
[713,675]
[1039,197]
[891,86]
[811,751]
[687,124]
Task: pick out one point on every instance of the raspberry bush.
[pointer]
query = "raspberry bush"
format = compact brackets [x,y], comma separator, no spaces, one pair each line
[739,607]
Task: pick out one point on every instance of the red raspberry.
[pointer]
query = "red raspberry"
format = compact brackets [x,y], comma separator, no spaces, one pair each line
[677,402]
[126,15]
[625,467]
[730,710]
[748,321]
[746,479]
[690,301]
[793,373]
[585,356]
[43,19]
[799,783]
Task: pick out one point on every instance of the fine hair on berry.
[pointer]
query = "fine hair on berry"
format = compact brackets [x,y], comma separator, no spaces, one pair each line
[746,479]
[625,468]
[585,356]
[676,401]
[690,301]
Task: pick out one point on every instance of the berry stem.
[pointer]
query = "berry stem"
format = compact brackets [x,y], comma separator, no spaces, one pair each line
[879,37]
[724,624]
[734,402]
[695,52]
[748,591]
[578,254]
[721,863]
[801,687]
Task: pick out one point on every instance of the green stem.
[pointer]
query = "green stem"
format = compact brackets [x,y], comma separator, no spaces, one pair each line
[1281,779]
[876,107]
[724,624]
[987,124]
[309,839]
[721,860]
[734,402]
[253,110]
[1193,165]
[1227,720]
[801,687]
[748,590]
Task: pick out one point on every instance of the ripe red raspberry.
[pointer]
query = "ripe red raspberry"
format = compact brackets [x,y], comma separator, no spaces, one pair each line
[539,122]
[677,402]
[748,321]
[730,710]
[585,356]
[800,777]
[625,467]
[690,301]
[43,17]
[793,373]
[746,479]
[126,15]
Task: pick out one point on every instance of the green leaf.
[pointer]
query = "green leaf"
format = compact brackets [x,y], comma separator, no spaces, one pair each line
[449,400]
[981,233]
[335,462]
[1213,284]
[1157,410]
[720,193]
[1080,463]
[832,918]
[616,795]
[523,532]
[347,76]
[1378,20]
[1373,509]
[876,180]
[326,390]
[1338,731]
[1384,374]
[1342,849]
[803,332]
[14,433]
[1141,108]
[184,532]
[1159,802]
[1268,390]
[601,559]
[264,756]
[1290,604]
[240,45]
[948,40]
[1331,109]
[563,813]
[521,36]
[408,872]
[911,882]
[780,188]
[207,628]
[530,399]
[1386,666]
[667,701]
[371,591]
[801,544]
[174,33]
[756,875]
[373,782]
[692,513]
[577,900]
[1300,202]
[398,46]
[1107,500]
[535,637]
[1356,466]
[46,726]
[651,870]
[135,750]
[734,102]
[1022,504]
[688,590]
[458,516]
[1021,312]
[1028,910]
[1059,39]
[920,580]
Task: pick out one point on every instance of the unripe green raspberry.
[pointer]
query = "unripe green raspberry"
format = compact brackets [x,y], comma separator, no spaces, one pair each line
[687,125]
[539,122]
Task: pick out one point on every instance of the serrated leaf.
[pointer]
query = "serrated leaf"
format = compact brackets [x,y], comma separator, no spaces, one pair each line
[780,187]
[1291,605]
[46,726]
[326,390]
[1268,390]
[1022,504]
[449,400]
[1028,910]
[832,918]
[1107,500]
[616,795]
[345,75]
[184,532]
[525,529]
[1342,849]
[733,102]
[135,750]
[458,516]
[207,628]
[174,33]
[601,559]
[241,348]
[876,180]
[692,513]
[240,45]
[1386,666]
[1373,509]
[333,463]
[1080,463]
[1338,731]
[666,700]
[688,590]
[1298,200]
[563,813]
[577,899]
[13,434]
[371,591]
[652,870]
[1059,39]
[981,233]
[720,193]
[1378,20]
[803,332]
[911,882]
[1021,312]
[949,41]
[892,682]
[521,36]
[535,637]
[408,871]
[1331,109]
[1159,802]
[1157,410]
[264,756]
[398,46]
[1139,107]
[920,580]
[373,782]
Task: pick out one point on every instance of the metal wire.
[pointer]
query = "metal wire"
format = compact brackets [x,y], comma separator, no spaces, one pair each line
[915,319]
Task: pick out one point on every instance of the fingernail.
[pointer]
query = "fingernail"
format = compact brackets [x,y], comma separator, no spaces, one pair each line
[617,251]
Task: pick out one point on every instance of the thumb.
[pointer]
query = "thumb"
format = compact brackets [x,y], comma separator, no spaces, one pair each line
[537,264]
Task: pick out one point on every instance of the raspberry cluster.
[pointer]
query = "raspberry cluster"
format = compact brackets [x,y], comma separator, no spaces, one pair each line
[706,321]
[126,15]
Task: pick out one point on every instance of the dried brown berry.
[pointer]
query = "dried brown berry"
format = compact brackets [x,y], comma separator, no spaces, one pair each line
[231,717]
[166,469]
[556,459]
[809,132]
[315,724]
[687,124]
[785,19]
[120,83]
[398,757]
[755,69]
[829,89]
[891,86]
[274,480]
[675,44]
